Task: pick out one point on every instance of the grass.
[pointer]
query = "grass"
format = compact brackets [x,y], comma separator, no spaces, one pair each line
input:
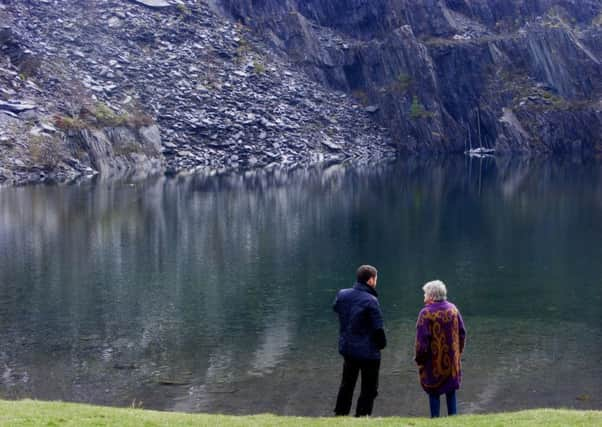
[101,115]
[69,123]
[43,151]
[36,413]
[361,96]
[417,110]
[183,9]
[258,67]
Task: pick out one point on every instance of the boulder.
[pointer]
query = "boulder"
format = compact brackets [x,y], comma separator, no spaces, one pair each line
[17,106]
[157,4]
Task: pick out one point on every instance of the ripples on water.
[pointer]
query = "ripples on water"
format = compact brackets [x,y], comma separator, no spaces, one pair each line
[213,292]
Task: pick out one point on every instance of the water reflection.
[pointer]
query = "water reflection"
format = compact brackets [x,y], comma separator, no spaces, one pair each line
[212,292]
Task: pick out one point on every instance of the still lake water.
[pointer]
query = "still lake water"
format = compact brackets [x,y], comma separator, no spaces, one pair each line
[213,293]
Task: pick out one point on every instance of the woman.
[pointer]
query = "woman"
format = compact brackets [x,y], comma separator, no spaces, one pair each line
[440,338]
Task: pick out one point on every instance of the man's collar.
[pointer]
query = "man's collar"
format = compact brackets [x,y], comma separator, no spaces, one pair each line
[366,288]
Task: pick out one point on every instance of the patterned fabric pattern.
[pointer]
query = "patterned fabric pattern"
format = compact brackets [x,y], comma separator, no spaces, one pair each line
[440,338]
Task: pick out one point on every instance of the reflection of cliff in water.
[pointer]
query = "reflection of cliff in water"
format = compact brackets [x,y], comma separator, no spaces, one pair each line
[220,285]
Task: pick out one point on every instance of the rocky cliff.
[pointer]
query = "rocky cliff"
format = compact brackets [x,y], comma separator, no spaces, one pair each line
[142,86]
[152,85]
[443,75]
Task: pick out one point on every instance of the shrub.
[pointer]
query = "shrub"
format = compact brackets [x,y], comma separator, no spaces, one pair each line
[258,67]
[361,96]
[400,84]
[138,118]
[417,110]
[29,66]
[243,49]
[403,81]
[107,117]
[67,123]
[183,9]
[43,151]
[101,115]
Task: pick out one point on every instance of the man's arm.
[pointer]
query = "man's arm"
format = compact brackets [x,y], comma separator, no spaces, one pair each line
[380,339]
[378,336]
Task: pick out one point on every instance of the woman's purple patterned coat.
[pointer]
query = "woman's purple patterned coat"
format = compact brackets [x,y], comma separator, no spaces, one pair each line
[440,337]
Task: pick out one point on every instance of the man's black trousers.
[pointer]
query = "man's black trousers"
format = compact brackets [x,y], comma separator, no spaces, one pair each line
[369,391]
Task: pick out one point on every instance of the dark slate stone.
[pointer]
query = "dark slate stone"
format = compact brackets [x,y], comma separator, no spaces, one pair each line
[153,3]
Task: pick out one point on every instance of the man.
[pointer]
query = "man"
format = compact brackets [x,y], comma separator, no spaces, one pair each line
[361,337]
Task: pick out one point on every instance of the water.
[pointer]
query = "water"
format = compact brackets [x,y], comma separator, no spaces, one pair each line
[213,292]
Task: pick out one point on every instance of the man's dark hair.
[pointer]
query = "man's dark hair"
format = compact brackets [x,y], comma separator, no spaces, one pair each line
[365,273]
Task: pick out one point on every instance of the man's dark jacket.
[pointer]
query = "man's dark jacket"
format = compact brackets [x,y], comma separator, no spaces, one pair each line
[361,334]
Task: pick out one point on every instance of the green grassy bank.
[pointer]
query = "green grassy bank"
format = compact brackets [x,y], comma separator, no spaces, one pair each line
[35,413]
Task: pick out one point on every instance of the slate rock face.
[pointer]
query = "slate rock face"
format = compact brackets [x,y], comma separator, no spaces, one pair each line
[447,74]
[246,83]
[220,97]
[112,151]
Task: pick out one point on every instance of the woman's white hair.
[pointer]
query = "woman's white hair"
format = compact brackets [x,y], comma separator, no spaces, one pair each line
[435,290]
